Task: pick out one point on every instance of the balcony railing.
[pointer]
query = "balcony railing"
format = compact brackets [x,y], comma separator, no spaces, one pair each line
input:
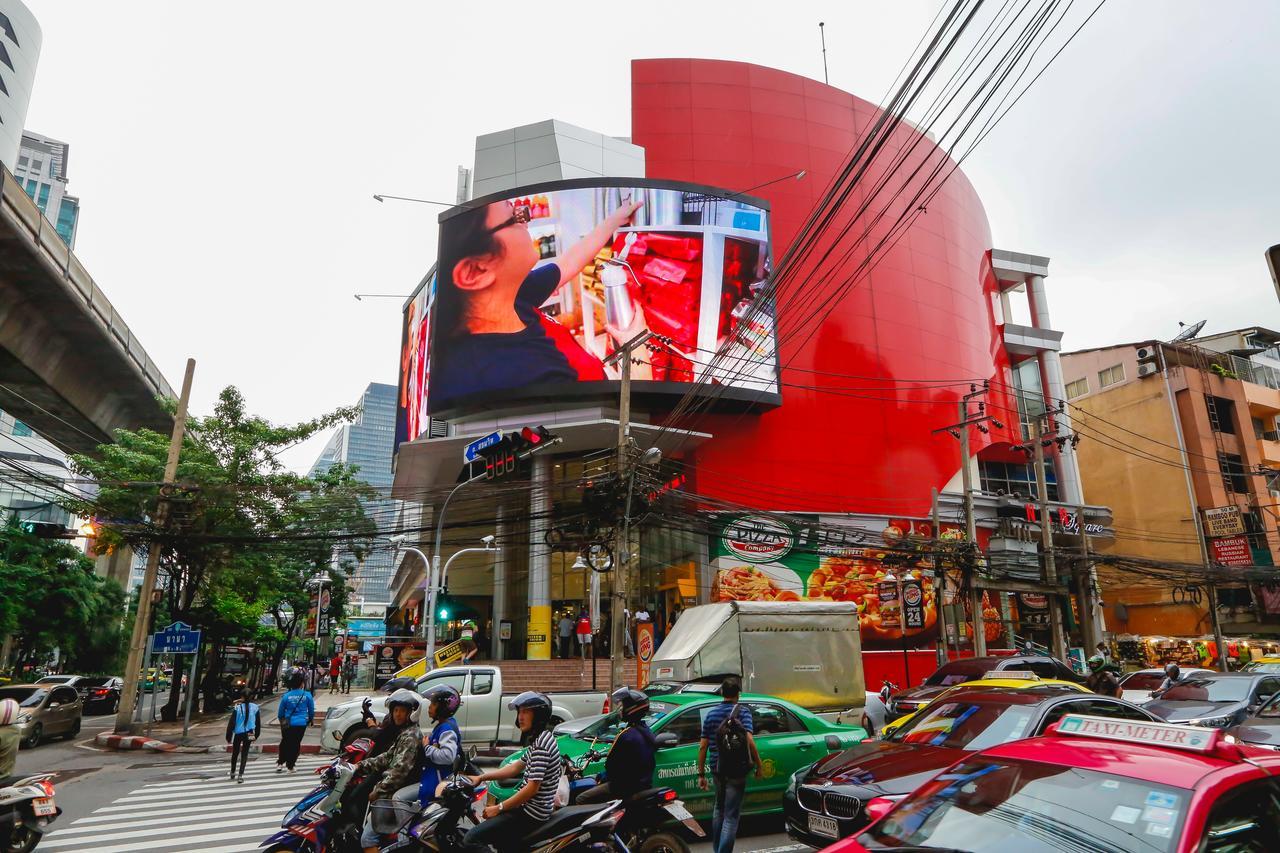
[1258,374]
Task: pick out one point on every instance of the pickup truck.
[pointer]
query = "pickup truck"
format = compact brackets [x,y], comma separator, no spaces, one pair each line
[483,718]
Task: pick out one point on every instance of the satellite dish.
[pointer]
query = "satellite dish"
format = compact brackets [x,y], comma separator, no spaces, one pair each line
[1188,332]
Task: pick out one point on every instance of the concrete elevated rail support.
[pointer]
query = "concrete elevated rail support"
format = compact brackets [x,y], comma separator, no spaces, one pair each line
[69,365]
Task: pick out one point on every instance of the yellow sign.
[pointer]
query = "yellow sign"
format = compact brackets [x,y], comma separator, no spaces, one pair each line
[538,640]
[451,653]
[1223,521]
[644,652]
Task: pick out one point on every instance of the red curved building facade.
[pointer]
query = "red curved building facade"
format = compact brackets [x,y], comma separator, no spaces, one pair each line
[864,388]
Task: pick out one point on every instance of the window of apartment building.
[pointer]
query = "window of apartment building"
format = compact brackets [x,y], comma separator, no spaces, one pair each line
[1111,375]
[21,429]
[1016,478]
[1233,475]
[43,200]
[1221,414]
[1078,388]
[1254,530]
[24,160]
[1025,379]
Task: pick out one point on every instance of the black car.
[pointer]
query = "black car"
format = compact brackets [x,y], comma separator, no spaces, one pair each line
[99,693]
[972,669]
[828,800]
[1217,700]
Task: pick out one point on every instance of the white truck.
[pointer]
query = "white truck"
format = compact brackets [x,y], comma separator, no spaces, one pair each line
[483,718]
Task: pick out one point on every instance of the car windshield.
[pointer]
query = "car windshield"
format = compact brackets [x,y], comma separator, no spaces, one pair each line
[55,679]
[1142,681]
[1209,690]
[662,688]
[988,805]
[1263,667]
[95,681]
[607,727]
[27,697]
[958,671]
[965,725]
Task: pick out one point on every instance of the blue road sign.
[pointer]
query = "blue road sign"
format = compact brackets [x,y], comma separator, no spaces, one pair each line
[177,639]
[474,449]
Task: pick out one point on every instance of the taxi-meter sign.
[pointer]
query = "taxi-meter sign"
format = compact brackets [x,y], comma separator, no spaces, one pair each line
[1010,675]
[1190,738]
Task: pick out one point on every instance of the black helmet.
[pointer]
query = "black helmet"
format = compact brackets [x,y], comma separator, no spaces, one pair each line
[537,702]
[446,698]
[1171,669]
[634,704]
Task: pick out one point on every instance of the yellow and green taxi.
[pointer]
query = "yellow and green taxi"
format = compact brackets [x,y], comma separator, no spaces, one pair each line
[787,736]
[1268,663]
[1009,678]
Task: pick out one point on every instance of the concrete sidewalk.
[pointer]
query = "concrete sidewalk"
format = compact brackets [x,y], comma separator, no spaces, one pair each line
[208,732]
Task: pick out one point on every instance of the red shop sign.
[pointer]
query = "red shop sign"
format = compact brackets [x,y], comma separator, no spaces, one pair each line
[1231,551]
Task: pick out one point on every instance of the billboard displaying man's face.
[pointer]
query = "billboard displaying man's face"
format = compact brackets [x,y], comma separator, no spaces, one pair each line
[536,290]
[415,371]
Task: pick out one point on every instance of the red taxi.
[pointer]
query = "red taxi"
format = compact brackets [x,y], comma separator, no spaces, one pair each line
[1093,784]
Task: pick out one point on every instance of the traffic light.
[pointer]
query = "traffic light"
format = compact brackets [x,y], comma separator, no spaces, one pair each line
[46,530]
[503,459]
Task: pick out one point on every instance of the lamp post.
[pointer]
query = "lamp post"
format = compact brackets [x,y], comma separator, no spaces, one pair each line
[318,582]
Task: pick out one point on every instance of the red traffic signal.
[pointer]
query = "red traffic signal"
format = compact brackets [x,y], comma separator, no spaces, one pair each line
[503,459]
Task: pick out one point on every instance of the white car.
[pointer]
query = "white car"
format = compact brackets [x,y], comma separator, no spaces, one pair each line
[1136,687]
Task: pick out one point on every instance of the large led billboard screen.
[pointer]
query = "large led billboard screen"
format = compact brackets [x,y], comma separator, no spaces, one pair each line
[415,361]
[536,288]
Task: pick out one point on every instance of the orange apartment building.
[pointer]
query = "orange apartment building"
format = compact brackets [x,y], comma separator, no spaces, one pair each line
[1181,441]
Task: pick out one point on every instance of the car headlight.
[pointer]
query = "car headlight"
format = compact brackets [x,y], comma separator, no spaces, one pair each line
[337,713]
[794,782]
[1212,722]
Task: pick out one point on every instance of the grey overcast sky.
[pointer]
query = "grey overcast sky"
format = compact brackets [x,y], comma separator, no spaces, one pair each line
[226,155]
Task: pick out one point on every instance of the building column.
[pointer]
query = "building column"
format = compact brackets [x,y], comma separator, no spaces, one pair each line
[538,637]
[1054,389]
[501,530]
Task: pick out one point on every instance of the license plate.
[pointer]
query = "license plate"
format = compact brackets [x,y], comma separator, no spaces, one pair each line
[823,826]
[678,811]
[43,807]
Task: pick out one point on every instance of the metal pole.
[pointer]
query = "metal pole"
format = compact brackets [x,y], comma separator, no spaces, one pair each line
[617,609]
[1084,581]
[191,692]
[434,569]
[1056,639]
[971,532]
[902,632]
[823,33]
[315,652]
[129,692]
[939,582]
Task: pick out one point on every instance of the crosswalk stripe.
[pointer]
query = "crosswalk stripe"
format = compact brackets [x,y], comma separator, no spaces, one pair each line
[212,815]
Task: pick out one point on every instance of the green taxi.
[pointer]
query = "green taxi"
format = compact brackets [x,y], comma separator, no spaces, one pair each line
[787,736]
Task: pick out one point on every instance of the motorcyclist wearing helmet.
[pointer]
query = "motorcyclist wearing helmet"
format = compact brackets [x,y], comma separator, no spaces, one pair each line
[400,765]
[442,747]
[1172,675]
[628,769]
[9,737]
[508,823]
[1102,678]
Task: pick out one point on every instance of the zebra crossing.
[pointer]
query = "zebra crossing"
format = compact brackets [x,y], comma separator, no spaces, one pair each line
[198,809]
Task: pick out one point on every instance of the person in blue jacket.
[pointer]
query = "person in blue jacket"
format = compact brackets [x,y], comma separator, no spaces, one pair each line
[244,726]
[444,744]
[295,712]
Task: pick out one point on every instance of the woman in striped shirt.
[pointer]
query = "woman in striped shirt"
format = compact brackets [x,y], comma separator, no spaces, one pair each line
[507,824]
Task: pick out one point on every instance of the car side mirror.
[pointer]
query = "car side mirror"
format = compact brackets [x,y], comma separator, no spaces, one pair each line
[53,705]
[666,739]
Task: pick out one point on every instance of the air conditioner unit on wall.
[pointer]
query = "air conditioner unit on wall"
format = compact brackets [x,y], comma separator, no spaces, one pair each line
[1148,369]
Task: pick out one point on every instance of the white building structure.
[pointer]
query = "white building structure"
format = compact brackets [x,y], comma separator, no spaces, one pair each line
[20,40]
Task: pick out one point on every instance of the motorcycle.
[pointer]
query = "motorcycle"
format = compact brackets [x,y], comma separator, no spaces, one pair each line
[645,823]
[323,821]
[27,808]
[441,824]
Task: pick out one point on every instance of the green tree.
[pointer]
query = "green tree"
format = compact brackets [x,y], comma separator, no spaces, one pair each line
[243,533]
[50,598]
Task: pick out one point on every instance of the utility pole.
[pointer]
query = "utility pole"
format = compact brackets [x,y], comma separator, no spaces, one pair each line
[960,431]
[622,545]
[1084,590]
[939,581]
[142,620]
[1057,641]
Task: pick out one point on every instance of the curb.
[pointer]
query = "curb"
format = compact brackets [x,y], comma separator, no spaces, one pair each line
[130,742]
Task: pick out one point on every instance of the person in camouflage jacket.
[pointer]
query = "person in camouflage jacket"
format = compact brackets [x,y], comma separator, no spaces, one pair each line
[400,766]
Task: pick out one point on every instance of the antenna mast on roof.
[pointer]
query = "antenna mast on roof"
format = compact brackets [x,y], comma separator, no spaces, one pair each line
[823,34]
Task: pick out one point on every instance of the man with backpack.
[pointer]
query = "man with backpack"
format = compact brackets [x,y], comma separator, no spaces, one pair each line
[726,733]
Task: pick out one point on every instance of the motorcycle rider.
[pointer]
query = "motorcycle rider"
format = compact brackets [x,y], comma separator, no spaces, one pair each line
[400,765]
[9,737]
[1102,678]
[442,747]
[628,769]
[1172,675]
[507,824]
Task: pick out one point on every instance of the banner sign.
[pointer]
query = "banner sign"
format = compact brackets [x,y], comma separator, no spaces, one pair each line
[644,652]
[1231,551]
[1223,521]
[913,605]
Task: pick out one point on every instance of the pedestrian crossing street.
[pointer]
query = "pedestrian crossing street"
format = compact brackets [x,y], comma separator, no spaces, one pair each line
[199,809]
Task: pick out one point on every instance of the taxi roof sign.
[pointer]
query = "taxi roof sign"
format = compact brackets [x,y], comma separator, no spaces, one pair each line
[1192,738]
[1011,675]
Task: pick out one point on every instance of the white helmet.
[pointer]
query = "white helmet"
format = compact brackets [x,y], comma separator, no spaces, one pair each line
[409,699]
[9,711]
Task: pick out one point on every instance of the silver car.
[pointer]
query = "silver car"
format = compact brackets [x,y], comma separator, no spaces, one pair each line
[45,710]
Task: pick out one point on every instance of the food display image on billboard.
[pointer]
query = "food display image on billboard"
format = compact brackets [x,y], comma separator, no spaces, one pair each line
[536,289]
[761,558]
[415,360]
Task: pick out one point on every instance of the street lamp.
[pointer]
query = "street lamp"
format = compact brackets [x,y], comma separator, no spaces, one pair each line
[433,587]
[381,197]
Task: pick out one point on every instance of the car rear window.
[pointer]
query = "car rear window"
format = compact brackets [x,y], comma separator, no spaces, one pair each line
[988,805]
[958,671]
[1209,690]
[1142,681]
[94,681]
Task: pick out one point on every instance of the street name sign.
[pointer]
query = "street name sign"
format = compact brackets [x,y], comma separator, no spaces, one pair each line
[473,450]
[177,639]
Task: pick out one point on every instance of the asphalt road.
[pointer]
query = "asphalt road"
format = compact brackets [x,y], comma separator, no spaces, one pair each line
[119,802]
